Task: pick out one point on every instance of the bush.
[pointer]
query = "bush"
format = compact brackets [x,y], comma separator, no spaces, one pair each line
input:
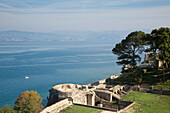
[28,102]
[7,109]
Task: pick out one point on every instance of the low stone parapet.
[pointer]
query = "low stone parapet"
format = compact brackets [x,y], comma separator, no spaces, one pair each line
[57,107]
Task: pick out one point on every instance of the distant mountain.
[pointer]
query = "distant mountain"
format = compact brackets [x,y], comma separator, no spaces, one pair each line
[63,36]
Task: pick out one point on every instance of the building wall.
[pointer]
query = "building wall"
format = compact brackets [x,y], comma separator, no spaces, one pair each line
[80,98]
[104,95]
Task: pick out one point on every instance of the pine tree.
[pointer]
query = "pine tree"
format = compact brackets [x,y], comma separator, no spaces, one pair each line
[128,51]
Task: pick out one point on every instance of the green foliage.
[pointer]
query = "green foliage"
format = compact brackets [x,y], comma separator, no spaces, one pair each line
[129,48]
[28,102]
[114,101]
[126,79]
[138,73]
[7,109]
[159,41]
[164,86]
[152,41]
[148,78]
[128,53]
[79,109]
[164,46]
[149,103]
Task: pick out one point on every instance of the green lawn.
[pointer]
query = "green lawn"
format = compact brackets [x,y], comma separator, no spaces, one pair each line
[80,109]
[149,103]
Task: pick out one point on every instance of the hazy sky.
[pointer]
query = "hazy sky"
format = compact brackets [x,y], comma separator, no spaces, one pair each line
[95,15]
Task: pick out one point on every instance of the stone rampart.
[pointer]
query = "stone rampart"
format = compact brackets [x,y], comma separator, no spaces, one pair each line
[55,108]
[62,91]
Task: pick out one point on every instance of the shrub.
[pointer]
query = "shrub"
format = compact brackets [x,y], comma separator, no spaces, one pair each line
[28,102]
[7,109]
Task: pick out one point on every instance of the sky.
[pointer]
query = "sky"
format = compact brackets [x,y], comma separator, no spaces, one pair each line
[89,15]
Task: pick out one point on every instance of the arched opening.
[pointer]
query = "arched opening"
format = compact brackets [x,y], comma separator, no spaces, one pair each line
[118,92]
[97,103]
[123,88]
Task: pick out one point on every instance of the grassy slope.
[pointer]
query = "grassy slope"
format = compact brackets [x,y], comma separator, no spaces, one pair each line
[79,109]
[149,103]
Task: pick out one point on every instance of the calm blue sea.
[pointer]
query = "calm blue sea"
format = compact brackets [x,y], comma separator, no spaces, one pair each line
[47,65]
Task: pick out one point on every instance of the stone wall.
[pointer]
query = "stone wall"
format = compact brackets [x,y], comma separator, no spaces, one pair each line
[80,98]
[90,99]
[149,89]
[53,97]
[80,95]
[110,105]
[56,96]
[63,91]
[125,108]
[58,106]
[160,92]
[104,95]
[123,104]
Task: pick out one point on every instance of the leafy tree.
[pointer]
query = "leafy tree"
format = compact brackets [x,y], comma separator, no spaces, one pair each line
[159,46]
[28,102]
[152,42]
[7,109]
[128,50]
[164,46]
[159,41]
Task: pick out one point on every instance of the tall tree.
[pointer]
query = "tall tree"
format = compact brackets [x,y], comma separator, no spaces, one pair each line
[159,41]
[28,102]
[128,50]
[164,46]
[152,42]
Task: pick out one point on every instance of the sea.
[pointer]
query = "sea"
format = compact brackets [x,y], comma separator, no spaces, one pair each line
[51,64]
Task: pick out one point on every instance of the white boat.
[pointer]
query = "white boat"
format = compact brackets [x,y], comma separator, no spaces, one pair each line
[26,77]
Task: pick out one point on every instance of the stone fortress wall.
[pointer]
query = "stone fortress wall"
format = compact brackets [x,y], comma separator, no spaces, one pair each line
[98,95]
[91,95]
